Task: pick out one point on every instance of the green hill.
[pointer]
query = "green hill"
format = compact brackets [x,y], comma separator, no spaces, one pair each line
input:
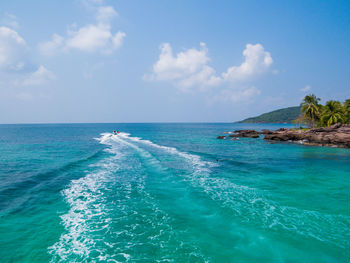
[278,116]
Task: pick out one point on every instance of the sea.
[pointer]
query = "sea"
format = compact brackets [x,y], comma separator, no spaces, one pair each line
[169,192]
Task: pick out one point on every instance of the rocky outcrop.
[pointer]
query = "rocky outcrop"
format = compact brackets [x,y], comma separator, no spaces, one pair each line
[245,133]
[337,135]
[265,131]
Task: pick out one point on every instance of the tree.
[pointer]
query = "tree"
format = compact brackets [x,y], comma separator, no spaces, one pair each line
[347,110]
[311,109]
[332,113]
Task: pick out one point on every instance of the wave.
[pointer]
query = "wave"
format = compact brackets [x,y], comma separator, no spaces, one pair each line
[252,204]
[22,189]
[111,215]
[91,208]
[197,163]
[86,202]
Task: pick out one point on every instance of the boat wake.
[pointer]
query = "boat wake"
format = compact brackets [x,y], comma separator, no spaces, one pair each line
[112,214]
[251,204]
[87,213]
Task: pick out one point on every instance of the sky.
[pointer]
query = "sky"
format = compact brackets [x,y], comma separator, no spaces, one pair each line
[77,61]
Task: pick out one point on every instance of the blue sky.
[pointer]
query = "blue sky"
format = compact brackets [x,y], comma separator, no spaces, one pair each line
[168,61]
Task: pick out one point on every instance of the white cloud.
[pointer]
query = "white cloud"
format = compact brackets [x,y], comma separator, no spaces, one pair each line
[183,65]
[117,40]
[257,61]
[16,67]
[41,76]
[105,14]
[306,88]
[189,70]
[49,48]
[96,37]
[12,49]
[186,70]
[190,67]
[89,38]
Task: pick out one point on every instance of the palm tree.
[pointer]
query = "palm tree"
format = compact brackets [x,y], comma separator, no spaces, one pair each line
[332,113]
[311,108]
[347,110]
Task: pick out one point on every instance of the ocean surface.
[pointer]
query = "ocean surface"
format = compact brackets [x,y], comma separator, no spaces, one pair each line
[169,193]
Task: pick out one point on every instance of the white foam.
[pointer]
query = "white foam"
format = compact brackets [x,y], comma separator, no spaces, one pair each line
[198,164]
[85,198]
[253,203]
[88,212]
[86,202]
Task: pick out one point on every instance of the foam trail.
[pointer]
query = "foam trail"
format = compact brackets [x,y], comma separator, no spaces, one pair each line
[245,200]
[92,210]
[199,165]
[87,212]
[246,204]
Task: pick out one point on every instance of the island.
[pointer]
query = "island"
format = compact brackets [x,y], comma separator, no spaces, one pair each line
[328,125]
[285,115]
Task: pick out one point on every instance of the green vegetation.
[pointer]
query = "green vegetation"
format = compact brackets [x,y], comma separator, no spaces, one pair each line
[311,109]
[316,114]
[310,112]
[286,115]
[347,110]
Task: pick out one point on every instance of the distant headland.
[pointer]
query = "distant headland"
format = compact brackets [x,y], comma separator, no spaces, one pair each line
[285,115]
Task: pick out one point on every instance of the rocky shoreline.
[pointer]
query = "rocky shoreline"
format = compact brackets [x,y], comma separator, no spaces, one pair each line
[337,135]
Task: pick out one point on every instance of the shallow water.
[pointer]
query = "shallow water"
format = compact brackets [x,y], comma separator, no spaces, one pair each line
[169,193]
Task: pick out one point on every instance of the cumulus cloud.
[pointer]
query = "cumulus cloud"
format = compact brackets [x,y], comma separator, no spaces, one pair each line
[50,47]
[182,65]
[105,14]
[15,65]
[12,49]
[97,37]
[190,70]
[306,88]
[186,69]
[256,61]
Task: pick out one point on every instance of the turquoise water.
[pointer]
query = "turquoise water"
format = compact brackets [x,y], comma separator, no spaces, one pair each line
[169,193]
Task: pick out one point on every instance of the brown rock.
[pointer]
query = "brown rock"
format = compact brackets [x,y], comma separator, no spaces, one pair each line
[245,133]
[336,135]
[265,131]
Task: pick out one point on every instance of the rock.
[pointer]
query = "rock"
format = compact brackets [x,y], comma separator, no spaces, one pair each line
[337,135]
[245,133]
[282,129]
[265,131]
[278,137]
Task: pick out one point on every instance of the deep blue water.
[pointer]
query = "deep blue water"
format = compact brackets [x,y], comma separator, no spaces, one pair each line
[169,193]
